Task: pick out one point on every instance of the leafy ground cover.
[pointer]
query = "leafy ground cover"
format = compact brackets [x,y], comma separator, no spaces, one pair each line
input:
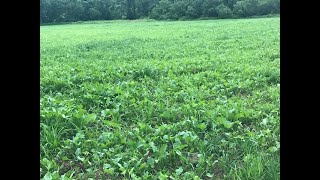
[160,100]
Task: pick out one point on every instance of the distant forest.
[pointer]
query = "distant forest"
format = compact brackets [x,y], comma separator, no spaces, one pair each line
[52,11]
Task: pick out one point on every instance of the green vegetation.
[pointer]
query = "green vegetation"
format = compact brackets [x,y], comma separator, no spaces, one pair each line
[53,11]
[161,100]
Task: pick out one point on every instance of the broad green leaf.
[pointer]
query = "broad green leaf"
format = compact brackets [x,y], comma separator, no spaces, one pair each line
[179,171]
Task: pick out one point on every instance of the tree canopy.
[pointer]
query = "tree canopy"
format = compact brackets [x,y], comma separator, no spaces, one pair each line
[83,10]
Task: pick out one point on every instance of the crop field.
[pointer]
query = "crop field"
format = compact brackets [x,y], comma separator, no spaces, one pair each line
[161,100]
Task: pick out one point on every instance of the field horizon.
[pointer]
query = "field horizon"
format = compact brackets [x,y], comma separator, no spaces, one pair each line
[157,20]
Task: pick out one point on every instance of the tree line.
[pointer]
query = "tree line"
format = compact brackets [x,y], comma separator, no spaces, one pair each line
[84,10]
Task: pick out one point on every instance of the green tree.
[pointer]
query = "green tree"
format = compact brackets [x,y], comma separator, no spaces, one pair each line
[82,10]
[161,10]
[239,9]
[191,12]
[178,9]
[131,9]
[144,7]
[208,8]
[251,7]
[223,11]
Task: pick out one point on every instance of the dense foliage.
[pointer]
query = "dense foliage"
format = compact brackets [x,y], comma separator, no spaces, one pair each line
[161,100]
[82,10]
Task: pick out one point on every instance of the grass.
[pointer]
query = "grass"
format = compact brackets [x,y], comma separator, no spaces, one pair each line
[161,100]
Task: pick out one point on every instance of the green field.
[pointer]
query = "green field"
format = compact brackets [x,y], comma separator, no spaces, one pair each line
[161,100]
